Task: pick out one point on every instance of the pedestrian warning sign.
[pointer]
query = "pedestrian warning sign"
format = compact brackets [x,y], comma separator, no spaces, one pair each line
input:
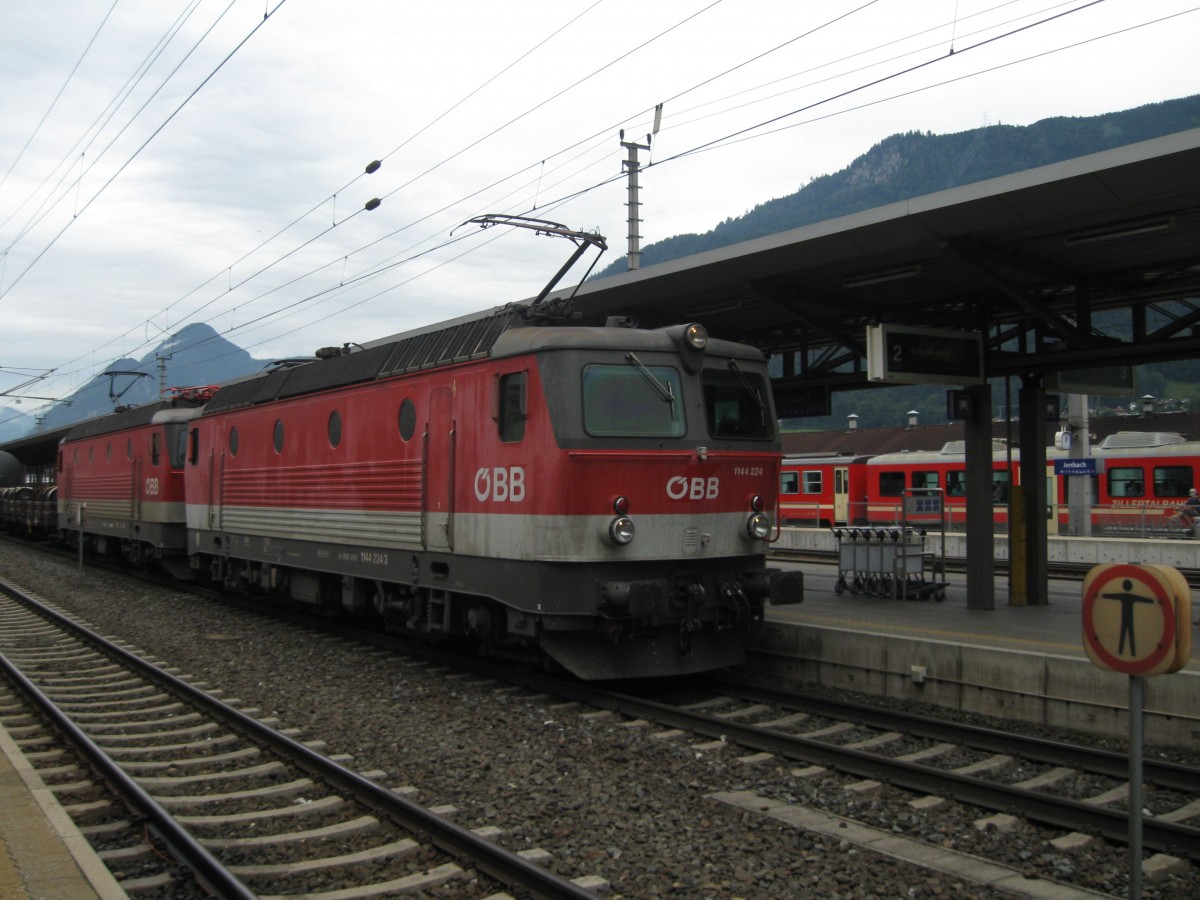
[1137,619]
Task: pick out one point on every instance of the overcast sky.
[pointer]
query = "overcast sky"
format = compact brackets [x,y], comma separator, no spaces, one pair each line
[164,162]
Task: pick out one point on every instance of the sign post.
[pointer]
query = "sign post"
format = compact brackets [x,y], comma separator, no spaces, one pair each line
[1137,622]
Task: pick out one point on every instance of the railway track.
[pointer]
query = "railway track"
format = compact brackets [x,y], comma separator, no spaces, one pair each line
[183,794]
[1069,787]
[1078,792]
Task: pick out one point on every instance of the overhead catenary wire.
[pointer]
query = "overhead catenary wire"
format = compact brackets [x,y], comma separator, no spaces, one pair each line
[742,134]
[83,144]
[42,121]
[54,239]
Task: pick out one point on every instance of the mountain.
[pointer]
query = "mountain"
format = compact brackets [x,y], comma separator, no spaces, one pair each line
[14,424]
[898,167]
[194,356]
[915,163]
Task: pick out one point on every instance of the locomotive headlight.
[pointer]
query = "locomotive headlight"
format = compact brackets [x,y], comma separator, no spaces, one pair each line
[758,526]
[621,530]
[696,336]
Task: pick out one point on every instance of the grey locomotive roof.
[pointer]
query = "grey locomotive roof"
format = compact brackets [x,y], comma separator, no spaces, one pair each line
[500,334]
[118,421]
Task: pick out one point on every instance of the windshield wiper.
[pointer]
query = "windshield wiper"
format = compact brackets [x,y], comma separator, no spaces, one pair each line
[660,387]
[751,389]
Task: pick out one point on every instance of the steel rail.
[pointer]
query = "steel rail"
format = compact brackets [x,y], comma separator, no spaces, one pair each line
[1103,762]
[498,862]
[1060,812]
[208,870]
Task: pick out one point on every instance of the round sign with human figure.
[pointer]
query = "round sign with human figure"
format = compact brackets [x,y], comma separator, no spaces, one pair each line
[1130,619]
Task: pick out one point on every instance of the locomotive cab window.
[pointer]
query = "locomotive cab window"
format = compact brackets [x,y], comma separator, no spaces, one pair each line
[633,400]
[513,411]
[176,445]
[735,404]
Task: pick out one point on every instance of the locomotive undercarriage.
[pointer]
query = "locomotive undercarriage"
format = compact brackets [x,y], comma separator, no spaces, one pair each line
[663,621]
[142,545]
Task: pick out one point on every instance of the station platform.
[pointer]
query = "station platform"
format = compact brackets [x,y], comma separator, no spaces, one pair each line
[42,853]
[1025,663]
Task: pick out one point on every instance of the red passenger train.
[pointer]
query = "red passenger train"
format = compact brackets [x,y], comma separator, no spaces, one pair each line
[602,495]
[1142,480]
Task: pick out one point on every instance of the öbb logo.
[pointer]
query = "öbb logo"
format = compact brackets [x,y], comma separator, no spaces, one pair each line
[681,488]
[500,484]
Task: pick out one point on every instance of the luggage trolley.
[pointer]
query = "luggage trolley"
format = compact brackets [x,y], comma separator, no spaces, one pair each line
[891,561]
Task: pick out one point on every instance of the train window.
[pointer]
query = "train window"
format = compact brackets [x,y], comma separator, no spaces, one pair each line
[194,446]
[233,441]
[813,482]
[734,404]
[155,448]
[891,484]
[632,401]
[956,484]
[1127,481]
[408,419]
[925,480]
[789,482]
[1000,488]
[278,436]
[176,444]
[512,407]
[1172,481]
[335,428]
[129,448]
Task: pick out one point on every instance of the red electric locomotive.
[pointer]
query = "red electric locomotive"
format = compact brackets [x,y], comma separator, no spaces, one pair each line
[120,482]
[603,494]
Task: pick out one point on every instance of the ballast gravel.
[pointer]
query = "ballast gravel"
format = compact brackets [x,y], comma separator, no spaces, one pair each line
[604,798]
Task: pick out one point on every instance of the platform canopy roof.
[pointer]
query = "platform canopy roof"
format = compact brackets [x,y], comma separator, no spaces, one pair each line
[1073,265]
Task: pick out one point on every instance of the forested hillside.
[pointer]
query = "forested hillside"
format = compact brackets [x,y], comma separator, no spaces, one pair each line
[913,164]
